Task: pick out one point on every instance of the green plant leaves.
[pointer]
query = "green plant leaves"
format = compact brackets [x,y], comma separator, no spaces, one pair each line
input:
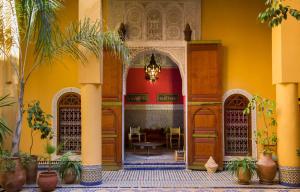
[37,119]
[245,163]
[276,12]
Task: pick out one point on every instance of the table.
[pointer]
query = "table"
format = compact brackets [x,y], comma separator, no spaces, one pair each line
[147,145]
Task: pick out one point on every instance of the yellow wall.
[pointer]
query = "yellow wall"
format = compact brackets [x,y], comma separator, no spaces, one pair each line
[247,44]
[48,79]
[247,54]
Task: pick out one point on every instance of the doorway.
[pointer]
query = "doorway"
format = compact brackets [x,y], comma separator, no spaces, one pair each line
[152,114]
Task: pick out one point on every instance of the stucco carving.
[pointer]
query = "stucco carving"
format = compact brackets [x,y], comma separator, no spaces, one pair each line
[155,20]
[175,50]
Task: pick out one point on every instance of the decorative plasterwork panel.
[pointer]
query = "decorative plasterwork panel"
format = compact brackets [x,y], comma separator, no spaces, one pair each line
[175,50]
[144,59]
[155,20]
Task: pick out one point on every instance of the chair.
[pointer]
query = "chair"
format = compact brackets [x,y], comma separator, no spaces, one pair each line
[175,136]
[134,134]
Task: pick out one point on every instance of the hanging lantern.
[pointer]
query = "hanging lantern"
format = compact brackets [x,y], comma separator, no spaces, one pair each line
[152,70]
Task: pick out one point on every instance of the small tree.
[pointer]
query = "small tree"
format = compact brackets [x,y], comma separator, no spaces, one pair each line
[38,120]
[266,110]
[34,26]
[276,12]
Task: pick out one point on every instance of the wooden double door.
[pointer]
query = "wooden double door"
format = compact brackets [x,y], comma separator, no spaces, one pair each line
[204,107]
[204,104]
[112,112]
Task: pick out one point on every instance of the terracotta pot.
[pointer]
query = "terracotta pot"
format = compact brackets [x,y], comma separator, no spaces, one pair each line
[266,169]
[244,176]
[47,181]
[14,180]
[69,176]
[31,170]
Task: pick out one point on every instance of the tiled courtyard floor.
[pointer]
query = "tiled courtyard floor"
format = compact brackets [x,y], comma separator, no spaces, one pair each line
[169,180]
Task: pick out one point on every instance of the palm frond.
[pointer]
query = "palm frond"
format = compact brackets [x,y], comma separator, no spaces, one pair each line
[4,130]
[37,20]
[87,35]
[46,22]
[6,101]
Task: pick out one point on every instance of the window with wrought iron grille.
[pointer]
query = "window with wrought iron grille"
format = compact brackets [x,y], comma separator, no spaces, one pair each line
[237,127]
[69,123]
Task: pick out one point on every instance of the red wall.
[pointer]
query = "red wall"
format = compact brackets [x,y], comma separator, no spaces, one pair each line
[169,82]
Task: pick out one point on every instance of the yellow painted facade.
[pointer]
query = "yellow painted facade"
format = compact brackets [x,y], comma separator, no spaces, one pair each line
[247,59]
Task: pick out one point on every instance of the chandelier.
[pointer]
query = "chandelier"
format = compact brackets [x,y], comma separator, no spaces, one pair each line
[152,70]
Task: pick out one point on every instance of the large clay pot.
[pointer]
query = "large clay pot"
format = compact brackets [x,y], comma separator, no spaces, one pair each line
[14,180]
[244,176]
[31,170]
[69,176]
[47,181]
[266,169]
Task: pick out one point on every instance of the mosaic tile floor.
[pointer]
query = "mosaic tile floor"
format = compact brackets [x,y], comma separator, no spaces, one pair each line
[171,180]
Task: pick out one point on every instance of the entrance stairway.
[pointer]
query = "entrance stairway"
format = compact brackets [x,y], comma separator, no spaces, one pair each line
[161,161]
[154,166]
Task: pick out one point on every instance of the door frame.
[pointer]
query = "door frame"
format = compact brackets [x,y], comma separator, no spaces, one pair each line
[177,52]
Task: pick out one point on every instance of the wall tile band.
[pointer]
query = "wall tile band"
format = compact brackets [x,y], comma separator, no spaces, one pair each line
[289,176]
[91,175]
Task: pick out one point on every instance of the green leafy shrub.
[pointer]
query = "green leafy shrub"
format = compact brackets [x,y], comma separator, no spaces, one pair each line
[65,163]
[245,163]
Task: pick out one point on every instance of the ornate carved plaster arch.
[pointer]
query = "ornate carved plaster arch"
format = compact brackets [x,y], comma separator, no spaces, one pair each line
[176,51]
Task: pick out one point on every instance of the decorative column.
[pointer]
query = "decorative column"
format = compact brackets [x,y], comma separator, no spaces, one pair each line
[90,78]
[288,133]
[285,74]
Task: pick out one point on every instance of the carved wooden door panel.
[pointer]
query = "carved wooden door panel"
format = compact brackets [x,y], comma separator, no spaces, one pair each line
[204,104]
[111,112]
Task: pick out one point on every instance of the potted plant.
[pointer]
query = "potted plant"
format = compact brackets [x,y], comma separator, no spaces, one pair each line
[13,174]
[244,169]
[69,170]
[37,120]
[266,167]
[47,180]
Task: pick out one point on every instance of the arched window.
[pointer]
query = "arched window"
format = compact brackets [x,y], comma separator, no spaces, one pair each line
[69,123]
[237,127]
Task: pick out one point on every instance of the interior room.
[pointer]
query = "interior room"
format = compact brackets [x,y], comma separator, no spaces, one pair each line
[154,112]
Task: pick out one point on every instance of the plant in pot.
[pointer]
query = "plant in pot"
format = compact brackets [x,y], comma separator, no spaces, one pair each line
[13,174]
[47,180]
[69,169]
[37,120]
[243,168]
[266,167]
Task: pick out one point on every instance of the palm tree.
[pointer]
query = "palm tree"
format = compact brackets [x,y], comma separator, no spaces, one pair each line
[37,28]
[4,129]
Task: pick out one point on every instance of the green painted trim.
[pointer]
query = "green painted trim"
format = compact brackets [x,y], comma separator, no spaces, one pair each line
[197,167]
[205,42]
[204,135]
[203,103]
[109,135]
[112,103]
[111,167]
